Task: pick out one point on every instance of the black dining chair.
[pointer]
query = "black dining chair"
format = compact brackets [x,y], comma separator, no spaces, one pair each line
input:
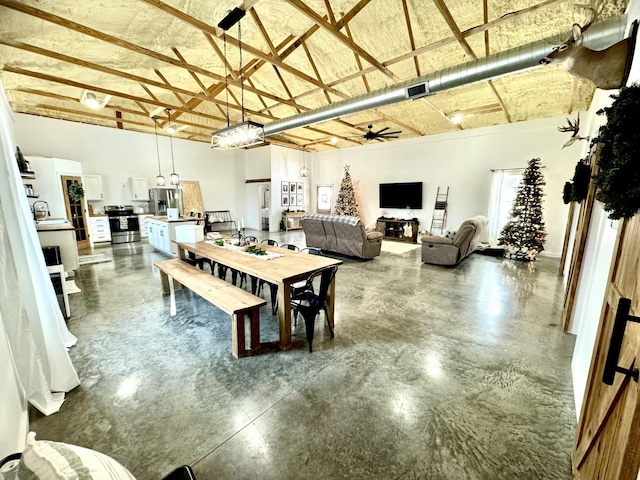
[309,303]
[290,246]
[251,238]
[268,241]
[311,251]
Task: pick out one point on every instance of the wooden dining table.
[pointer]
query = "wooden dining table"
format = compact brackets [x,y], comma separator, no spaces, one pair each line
[283,271]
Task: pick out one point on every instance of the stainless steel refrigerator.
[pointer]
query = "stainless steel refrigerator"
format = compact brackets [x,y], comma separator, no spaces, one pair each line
[161,198]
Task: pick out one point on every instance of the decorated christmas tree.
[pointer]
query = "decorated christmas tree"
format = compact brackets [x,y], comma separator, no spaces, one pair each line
[524,235]
[346,202]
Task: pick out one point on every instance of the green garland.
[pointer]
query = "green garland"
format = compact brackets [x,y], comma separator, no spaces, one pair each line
[618,180]
[581,180]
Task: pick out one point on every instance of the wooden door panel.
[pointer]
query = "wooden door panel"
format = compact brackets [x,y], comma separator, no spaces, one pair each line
[609,428]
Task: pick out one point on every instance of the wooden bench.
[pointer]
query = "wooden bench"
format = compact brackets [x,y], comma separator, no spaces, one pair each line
[228,298]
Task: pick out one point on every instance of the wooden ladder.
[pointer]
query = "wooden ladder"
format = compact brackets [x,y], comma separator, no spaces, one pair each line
[439,218]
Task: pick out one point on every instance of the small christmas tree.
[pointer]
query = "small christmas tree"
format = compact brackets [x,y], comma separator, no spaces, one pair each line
[346,202]
[524,235]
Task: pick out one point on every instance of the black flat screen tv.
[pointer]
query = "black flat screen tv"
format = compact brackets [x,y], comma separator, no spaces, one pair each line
[401,195]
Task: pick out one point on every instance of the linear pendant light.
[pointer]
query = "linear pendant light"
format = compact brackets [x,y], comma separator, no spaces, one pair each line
[246,133]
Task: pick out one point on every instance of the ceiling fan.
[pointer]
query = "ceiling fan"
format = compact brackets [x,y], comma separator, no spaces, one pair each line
[380,135]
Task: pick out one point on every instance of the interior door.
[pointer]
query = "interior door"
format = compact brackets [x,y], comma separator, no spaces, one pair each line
[324,199]
[75,212]
[607,441]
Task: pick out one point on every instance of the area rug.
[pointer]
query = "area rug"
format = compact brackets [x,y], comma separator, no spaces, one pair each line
[89,259]
[398,248]
[72,287]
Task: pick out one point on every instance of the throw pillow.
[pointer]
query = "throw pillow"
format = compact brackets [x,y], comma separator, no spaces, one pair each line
[60,461]
[213,218]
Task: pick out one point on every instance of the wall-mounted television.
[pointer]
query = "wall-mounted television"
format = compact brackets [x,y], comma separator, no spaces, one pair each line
[401,195]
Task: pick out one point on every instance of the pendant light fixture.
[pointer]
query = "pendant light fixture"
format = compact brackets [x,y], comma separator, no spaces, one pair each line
[175,178]
[160,181]
[304,171]
[246,133]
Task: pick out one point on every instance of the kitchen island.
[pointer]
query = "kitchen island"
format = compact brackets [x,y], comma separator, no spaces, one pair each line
[162,233]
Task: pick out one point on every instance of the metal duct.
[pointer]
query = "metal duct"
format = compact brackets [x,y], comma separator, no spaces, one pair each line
[598,36]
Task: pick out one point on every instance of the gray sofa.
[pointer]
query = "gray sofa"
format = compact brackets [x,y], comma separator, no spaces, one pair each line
[341,234]
[451,250]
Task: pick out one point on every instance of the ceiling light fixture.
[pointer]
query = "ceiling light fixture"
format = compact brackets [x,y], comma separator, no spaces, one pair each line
[456,118]
[175,178]
[334,140]
[304,171]
[246,133]
[91,100]
[160,181]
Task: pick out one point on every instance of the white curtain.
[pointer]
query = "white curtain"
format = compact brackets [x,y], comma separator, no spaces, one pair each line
[34,336]
[504,185]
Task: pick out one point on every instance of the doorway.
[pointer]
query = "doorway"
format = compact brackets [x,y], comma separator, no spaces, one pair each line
[75,209]
[324,199]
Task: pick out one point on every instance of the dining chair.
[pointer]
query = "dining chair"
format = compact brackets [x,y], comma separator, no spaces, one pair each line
[309,303]
[311,251]
[290,246]
[251,238]
[268,241]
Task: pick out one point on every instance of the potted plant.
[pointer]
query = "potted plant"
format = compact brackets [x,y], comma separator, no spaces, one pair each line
[76,192]
[23,165]
[618,180]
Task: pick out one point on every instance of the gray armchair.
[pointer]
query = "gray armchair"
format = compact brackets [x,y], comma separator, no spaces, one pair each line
[450,251]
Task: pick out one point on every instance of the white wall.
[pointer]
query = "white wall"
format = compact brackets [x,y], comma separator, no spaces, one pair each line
[257,166]
[119,154]
[285,167]
[47,183]
[461,161]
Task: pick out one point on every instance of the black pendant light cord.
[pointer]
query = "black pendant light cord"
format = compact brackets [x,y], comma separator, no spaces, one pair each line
[226,75]
[240,71]
[155,127]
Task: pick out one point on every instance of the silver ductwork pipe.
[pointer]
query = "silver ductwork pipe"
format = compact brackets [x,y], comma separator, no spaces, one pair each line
[598,36]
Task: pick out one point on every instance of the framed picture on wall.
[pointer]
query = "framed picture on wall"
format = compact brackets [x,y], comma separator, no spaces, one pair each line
[285,187]
[300,188]
[292,187]
[292,200]
[285,199]
[300,200]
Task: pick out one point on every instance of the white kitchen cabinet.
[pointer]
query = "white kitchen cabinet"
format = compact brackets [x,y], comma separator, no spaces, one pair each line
[162,234]
[144,225]
[139,189]
[92,187]
[99,230]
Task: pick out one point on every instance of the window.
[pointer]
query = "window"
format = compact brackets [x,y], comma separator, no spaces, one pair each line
[504,186]
[324,199]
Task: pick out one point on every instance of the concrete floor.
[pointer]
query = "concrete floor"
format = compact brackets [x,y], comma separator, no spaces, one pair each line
[434,373]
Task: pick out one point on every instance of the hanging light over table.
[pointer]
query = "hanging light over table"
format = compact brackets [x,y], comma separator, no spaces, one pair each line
[175,178]
[160,181]
[246,133]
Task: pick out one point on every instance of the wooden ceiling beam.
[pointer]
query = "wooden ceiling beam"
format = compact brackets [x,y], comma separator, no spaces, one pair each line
[166,82]
[77,27]
[193,74]
[284,85]
[330,15]
[221,56]
[485,16]
[335,32]
[105,91]
[315,69]
[263,32]
[235,42]
[357,58]
[412,41]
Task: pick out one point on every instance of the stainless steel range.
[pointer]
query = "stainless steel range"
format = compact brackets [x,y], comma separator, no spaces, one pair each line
[125,226]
